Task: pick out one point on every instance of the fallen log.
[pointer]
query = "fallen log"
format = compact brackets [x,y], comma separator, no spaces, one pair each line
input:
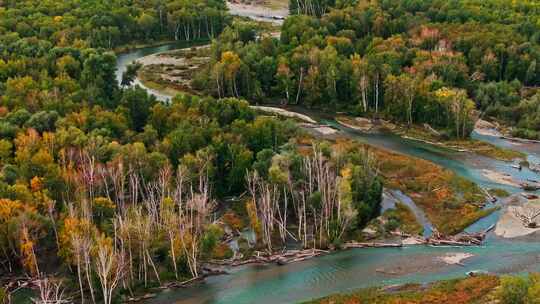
[386,272]
[464,239]
[371,245]
[450,243]
[282,258]
[183,283]
[141,298]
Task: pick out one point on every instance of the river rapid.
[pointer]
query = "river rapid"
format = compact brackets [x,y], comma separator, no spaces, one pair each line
[352,269]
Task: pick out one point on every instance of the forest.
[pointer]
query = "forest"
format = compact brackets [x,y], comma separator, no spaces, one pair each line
[444,63]
[109,191]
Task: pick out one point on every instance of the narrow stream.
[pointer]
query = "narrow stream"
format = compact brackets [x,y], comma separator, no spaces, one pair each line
[352,269]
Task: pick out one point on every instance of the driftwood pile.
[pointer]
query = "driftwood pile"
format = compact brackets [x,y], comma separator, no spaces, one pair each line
[530,186]
[535,168]
[285,257]
[175,284]
[527,216]
[15,283]
[462,239]
[47,290]
[371,245]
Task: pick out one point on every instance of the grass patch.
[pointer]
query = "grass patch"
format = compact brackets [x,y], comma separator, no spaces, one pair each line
[475,146]
[459,291]
[487,149]
[154,84]
[499,192]
[405,219]
[450,202]
[417,132]
[153,81]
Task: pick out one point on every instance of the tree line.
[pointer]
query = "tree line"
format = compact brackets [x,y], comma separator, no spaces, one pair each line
[110,24]
[410,61]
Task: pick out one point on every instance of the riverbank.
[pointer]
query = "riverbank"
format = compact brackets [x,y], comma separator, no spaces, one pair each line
[170,72]
[479,289]
[451,203]
[428,135]
[272,11]
[496,129]
[517,217]
[141,45]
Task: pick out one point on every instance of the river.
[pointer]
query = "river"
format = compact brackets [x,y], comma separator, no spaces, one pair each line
[352,269]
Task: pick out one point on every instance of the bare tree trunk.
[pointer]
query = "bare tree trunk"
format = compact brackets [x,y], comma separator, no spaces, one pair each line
[377,93]
[300,85]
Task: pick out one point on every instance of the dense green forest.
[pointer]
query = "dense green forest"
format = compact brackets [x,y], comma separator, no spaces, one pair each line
[105,186]
[432,61]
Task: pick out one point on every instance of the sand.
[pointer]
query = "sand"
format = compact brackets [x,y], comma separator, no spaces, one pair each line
[455,258]
[359,123]
[413,241]
[483,127]
[500,178]
[509,226]
[165,58]
[422,263]
[325,130]
[286,113]
[258,12]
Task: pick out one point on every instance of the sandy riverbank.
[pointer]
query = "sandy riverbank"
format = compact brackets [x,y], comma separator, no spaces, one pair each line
[500,178]
[455,258]
[424,263]
[487,128]
[259,12]
[510,226]
[285,113]
[167,58]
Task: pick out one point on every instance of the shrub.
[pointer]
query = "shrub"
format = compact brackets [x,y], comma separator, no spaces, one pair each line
[513,290]
[533,293]
[392,224]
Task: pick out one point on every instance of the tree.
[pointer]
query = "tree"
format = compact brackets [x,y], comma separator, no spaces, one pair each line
[284,77]
[130,74]
[147,23]
[378,68]
[138,104]
[99,78]
[109,266]
[458,104]
[231,65]
[360,78]
[400,94]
